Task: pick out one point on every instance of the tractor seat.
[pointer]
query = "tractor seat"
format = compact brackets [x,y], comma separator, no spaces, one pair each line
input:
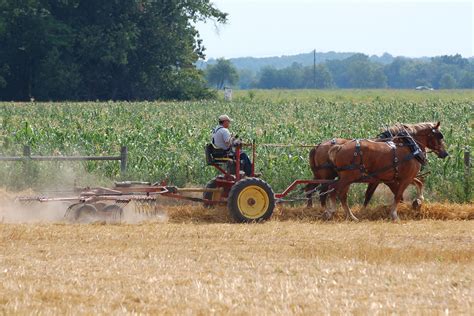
[217,156]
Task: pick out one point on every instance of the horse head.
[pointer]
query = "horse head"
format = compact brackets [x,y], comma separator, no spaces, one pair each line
[427,134]
[432,138]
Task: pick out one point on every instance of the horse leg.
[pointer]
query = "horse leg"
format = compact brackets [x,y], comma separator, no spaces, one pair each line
[397,189]
[343,198]
[323,197]
[309,202]
[309,197]
[329,206]
[370,192]
[416,205]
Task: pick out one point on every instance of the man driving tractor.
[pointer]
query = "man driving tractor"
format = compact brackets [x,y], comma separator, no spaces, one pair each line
[223,140]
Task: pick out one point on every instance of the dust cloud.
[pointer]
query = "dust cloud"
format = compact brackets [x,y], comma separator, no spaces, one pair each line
[62,183]
[12,210]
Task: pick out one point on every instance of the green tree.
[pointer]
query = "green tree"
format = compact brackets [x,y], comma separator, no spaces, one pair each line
[447,82]
[268,78]
[3,74]
[318,77]
[247,79]
[393,71]
[101,49]
[223,73]
[364,74]
[467,80]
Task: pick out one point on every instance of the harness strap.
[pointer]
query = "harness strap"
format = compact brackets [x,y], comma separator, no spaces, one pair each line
[416,153]
[327,165]
[374,174]
[354,165]
[395,158]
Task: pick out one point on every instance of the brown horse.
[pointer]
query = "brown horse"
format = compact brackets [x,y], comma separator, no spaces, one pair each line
[395,164]
[322,168]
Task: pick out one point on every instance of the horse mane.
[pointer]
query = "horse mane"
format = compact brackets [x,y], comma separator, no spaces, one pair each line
[410,128]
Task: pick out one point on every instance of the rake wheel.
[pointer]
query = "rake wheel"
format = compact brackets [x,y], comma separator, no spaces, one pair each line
[85,213]
[114,212]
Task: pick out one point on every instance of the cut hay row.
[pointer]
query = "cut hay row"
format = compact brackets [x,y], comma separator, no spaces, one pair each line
[179,212]
[432,211]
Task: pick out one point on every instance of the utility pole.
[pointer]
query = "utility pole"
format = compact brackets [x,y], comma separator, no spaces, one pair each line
[314,69]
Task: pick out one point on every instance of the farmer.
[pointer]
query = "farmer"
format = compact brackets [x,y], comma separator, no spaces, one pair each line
[223,140]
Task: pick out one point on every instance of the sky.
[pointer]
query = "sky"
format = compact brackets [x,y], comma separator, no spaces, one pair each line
[416,28]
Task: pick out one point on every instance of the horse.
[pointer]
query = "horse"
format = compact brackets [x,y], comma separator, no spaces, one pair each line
[322,168]
[395,164]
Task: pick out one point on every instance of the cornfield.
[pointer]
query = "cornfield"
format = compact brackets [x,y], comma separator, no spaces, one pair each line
[166,139]
[191,260]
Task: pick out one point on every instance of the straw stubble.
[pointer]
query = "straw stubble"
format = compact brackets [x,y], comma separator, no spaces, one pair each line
[279,267]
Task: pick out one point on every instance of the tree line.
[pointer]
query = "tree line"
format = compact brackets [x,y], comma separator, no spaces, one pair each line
[102,49]
[357,71]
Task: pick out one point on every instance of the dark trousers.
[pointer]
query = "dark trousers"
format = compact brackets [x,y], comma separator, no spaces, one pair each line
[245,164]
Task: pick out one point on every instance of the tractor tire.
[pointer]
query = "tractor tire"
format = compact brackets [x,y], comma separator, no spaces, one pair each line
[213,196]
[251,200]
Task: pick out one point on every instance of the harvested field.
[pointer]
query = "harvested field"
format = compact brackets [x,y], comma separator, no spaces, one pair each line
[198,263]
[434,211]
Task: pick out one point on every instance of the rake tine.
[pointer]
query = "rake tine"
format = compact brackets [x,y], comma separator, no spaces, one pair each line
[313,190]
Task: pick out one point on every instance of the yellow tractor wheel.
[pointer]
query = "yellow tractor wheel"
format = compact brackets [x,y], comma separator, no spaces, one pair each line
[251,200]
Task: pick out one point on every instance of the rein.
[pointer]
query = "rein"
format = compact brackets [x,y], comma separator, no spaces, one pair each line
[286,145]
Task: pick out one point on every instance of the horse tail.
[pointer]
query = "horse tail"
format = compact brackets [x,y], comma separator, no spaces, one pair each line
[312,158]
[312,165]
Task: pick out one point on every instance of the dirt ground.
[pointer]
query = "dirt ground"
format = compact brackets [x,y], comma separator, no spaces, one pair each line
[201,264]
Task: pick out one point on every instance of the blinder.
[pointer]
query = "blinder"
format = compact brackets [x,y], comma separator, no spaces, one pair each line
[437,134]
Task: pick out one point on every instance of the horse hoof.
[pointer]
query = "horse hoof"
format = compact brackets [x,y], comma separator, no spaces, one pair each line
[327,216]
[416,205]
[352,218]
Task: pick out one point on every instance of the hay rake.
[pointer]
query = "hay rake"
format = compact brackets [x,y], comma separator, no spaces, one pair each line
[107,204]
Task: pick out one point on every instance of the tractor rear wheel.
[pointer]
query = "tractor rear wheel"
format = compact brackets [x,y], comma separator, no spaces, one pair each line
[251,200]
[212,196]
